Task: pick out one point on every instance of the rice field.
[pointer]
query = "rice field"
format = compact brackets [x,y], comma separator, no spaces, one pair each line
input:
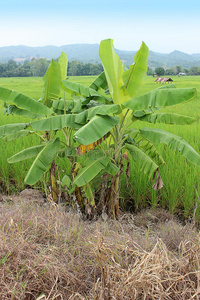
[181,179]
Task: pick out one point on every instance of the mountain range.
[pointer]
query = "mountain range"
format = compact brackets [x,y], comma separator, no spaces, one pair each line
[89,53]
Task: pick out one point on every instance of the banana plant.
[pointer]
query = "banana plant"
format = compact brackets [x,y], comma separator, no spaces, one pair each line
[119,108]
[50,114]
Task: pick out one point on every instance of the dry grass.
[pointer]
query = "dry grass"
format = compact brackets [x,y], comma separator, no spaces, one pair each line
[49,253]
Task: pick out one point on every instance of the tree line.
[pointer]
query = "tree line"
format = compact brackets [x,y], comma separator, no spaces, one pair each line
[160,71]
[38,67]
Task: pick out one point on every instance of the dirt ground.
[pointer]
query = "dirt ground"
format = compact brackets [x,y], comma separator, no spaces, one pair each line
[49,251]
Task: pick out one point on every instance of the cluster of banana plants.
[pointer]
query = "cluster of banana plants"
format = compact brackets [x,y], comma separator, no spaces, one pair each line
[97,126]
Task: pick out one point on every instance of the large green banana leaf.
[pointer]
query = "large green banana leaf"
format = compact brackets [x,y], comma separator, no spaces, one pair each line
[24,102]
[167,86]
[42,162]
[175,143]
[25,154]
[168,118]
[78,88]
[150,150]
[99,82]
[63,61]
[103,110]
[16,135]
[88,114]
[112,169]
[113,70]
[142,113]
[93,168]
[52,84]
[23,112]
[12,128]
[77,106]
[143,161]
[96,128]
[151,110]
[161,98]
[63,105]
[133,77]
[55,123]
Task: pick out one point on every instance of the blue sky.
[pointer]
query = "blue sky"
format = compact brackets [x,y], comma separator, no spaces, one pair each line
[163,25]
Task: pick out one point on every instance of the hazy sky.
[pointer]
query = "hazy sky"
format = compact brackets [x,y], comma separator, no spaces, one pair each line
[163,25]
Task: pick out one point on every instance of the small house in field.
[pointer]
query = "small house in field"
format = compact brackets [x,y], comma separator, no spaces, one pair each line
[163,79]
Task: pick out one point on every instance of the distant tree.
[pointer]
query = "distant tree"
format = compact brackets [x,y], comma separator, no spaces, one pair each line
[96,69]
[169,71]
[73,68]
[179,69]
[150,71]
[160,71]
[186,71]
[86,69]
[76,68]
[194,71]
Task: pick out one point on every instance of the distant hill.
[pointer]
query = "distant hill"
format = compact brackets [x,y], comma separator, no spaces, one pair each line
[90,53]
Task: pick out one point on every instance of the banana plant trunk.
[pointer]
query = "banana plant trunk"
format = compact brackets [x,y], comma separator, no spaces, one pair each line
[79,199]
[113,201]
[77,192]
[54,188]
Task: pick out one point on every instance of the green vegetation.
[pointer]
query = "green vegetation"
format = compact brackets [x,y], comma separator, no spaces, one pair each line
[176,70]
[38,67]
[83,113]
[160,71]
[180,178]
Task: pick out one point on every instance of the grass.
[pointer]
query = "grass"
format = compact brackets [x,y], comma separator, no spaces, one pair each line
[180,177]
[49,253]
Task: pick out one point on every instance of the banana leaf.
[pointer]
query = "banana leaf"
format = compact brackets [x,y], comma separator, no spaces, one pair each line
[99,82]
[25,154]
[168,118]
[42,162]
[160,98]
[77,106]
[80,89]
[143,161]
[59,104]
[93,168]
[12,109]
[150,150]
[12,128]
[159,136]
[55,123]
[66,181]
[111,169]
[24,102]
[88,114]
[16,135]
[96,128]
[52,84]
[63,61]
[113,69]
[133,77]
[142,113]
